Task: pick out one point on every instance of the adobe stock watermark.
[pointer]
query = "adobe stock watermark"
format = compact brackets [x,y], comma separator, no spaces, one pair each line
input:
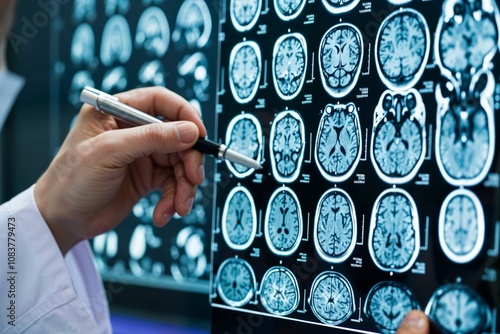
[31,27]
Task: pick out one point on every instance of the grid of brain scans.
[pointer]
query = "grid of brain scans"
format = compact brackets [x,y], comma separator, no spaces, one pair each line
[375,123]
[116,45]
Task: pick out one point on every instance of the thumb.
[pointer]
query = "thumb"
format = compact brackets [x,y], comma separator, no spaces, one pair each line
[125,145]
[415,322]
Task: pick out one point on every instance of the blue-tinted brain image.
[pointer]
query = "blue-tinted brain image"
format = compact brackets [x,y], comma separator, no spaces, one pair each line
[239,219]
[83,46]
[398,137]
[456,308]
[338,142]
[193,24]
[116,45]
[244,135]
[283,224]
[289,65]
[279,291]
[116,6]
[332,298]
[244,13]
[402,49]
[387,304]
[339,6]
[335,226]
[289,9]
[394,240]
[467,34]
[84,10]
[465,134]
[245,67]
[340,55]
[235,282]
[153,32]
[287,143]
[461,226]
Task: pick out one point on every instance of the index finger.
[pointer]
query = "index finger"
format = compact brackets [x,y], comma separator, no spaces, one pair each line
[160,101]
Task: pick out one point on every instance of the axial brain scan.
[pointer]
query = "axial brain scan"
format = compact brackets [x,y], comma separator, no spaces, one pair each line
[398,137]
[289,65]
[465,135]
[461,226]
[387,304]
[287,143]
[289,9]
[193,24]
[279,291]
[338,142]
[402,49]
[239,219]
[153,32]
[467,35]
[244,135]
[340,55]
[339,6]
[456,308]
[244,13]
[332,298]
[245,67]
[283,224]
[335,227]
[235,282]
[394,239]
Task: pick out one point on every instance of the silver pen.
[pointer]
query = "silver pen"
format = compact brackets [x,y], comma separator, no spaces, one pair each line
[110,105]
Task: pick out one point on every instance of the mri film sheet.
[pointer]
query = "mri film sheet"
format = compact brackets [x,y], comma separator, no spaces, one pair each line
[117,45]
[376,123]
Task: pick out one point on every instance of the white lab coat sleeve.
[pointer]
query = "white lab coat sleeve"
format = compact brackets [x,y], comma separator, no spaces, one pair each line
[40,290]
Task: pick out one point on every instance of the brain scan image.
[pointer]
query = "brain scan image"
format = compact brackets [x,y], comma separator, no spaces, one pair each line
[105,248]
[235,282]
[188,254]
[398,143]
[339,6]
[80,80]
[153,32]
[283,224]
[465,129]
[193,24]
[287,144]
[239,219]
[116,6]
[245,67]
[114,80]
[387,304]
[340,55]
[456,308]
[467,35]
[289,9]
[394,239]
[116,45]
[279,291]
[402,49]
[244,13]
[338,142]
[461,226]
[244,135]
[83,46]
[152,73]
[335,227]
[84,10]
[289,65]
[332,298]
[194,74]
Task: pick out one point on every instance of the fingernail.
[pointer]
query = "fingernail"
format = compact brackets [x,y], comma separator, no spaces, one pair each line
[186,132]
[189,204]
[166,218]
[201,173]
[414,320]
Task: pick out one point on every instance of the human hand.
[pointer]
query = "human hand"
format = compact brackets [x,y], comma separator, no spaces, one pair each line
[415,322]
[6,16]
[105,166]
